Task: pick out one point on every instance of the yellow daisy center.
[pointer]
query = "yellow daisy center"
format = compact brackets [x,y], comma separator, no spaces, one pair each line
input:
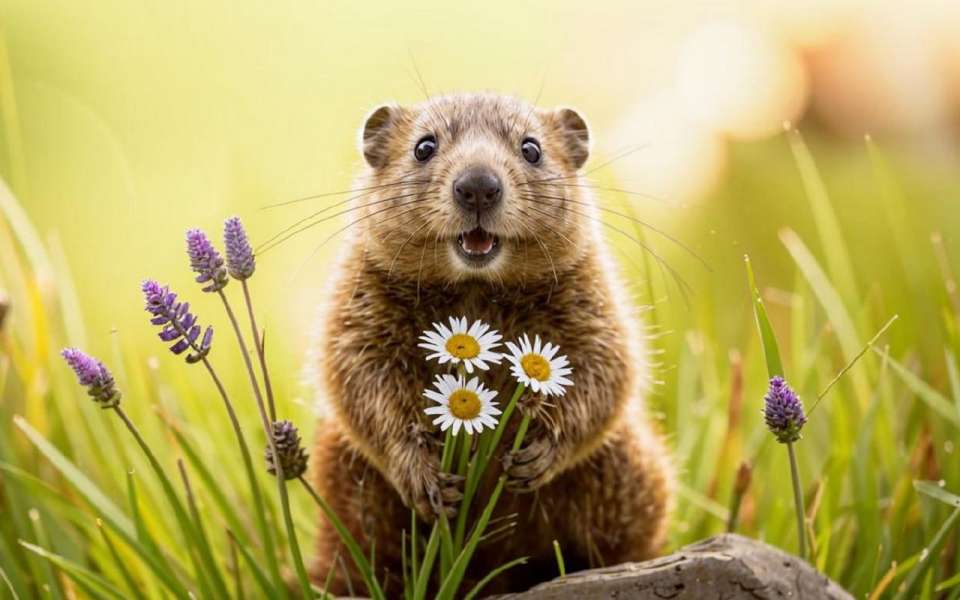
[464,404]
[463,346]
[535,366]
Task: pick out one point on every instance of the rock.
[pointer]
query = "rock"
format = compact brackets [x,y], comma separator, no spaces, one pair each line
[728,566]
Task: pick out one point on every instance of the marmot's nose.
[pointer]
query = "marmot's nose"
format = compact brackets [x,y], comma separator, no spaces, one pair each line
[477,189]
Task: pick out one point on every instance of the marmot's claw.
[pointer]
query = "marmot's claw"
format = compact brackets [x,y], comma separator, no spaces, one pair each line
[531,403]
[530,467]
[450,492]
[420,434]
[441,494]
[451,478]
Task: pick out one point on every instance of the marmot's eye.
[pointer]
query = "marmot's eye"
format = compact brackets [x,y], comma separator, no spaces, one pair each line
[425,148]
[530,149]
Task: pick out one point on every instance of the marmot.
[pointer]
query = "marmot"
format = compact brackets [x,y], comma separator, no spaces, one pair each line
[472,205]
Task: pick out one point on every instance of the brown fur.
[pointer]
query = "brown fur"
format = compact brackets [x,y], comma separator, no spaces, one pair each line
[600,474]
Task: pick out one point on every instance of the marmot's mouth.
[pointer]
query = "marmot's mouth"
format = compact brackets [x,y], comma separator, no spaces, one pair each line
[478,247]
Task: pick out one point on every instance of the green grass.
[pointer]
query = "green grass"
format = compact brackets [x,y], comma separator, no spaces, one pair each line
[83,515]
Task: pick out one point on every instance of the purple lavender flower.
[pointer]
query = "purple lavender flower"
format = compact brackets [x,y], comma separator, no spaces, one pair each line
[240,261]
[783,411]
[293,458]
[179,324]
[93,375]
[206,261]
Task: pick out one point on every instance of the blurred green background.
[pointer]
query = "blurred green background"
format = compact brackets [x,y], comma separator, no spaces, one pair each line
[125,123]
[128,122]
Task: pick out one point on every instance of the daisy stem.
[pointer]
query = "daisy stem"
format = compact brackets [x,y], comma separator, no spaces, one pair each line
[452,581]
[466,445]
[447,550]
[502,425]
[798,500]
[448,443]
[481,459]
[521,432]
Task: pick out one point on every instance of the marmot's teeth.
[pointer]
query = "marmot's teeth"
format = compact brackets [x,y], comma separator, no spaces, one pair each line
[477,242]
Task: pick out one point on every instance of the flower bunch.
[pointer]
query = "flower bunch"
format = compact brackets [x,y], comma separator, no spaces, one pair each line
[460,400]
[467,403]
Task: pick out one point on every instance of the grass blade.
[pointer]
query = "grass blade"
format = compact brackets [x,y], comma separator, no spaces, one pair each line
[203,544]
[8,584]
[144,542]
[191,536]
[373,586]
[561,565]
[89,490]
[935,491]
[491,575]
[129,580]
[771,350]
[53,584]
[946,584]
[828,228]
[850,364]
[930,396]
[79,573]
[929,553]
[832,304]
[227,508]
[40,489]
[426,567]
[954,375]
[259,576]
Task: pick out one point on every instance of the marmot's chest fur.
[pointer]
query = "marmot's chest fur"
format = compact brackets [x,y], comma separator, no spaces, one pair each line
[379,321]
[473,206]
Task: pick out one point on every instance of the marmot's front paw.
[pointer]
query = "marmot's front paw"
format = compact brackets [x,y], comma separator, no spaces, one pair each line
[532,466]
[432,492]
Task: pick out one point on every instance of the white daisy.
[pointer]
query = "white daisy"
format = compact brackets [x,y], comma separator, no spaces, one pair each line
[472,346]
[462,403]
[539,368]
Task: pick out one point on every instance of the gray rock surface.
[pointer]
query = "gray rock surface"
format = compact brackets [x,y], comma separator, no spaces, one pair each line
[724,567]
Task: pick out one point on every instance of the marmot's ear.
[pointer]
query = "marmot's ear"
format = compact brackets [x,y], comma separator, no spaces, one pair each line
[373,142]
[575,135]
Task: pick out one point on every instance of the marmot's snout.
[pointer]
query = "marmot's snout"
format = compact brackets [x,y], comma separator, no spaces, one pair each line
[478,190]
[478,193]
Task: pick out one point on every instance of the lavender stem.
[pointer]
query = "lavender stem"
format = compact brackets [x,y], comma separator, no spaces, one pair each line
[258,341]
[302,575]
[259,507]
[798,501]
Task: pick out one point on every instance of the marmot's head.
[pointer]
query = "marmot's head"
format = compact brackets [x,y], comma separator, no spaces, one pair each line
[474,186]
